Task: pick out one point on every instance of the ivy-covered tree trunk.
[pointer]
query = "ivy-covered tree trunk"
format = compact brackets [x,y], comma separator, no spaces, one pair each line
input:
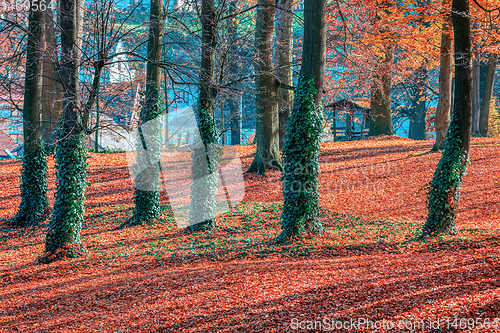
[34,202]
[205,157]
[63,236]
[442,118]
[444,189]
[487,93]
[300,215]
[148,181]
[284,72]
[266,93]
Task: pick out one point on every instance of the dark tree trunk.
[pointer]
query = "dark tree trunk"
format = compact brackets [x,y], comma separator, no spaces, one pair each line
[205,156]
[208,43]
[148,181]
[442,119]
[50,85]
[417,125]
[380,104]
[284,72]
[266,94]
[34,202]
[476,94]
[234,69]
[463,76]
[303,133]
[487,93]
[444,191]
[63,236]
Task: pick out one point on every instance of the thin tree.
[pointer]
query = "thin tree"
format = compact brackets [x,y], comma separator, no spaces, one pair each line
[34,202]
[284,72]
[476,90]
[205,156]
[442,118]
[301,148]
[266,93]
[444,189]
[148,182]
[487,93]
[234,70]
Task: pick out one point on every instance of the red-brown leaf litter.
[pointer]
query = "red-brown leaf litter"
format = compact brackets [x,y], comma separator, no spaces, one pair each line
[369,265]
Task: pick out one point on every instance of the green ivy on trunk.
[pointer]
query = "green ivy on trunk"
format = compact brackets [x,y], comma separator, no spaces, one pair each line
[301,166]
[34,203]
[444,189]
[204,173]
[63,236]
[147,200]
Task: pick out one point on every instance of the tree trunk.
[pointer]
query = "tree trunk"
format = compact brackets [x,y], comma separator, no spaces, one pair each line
[487,93]
[204,171]
[148,181]
[266,94]
[284,72]
[380,104]
[444,191]
[234,69]
[476,94]
[417,126]
[208,43]
[34,202]
[442,119]
[50,115]
[63,236]
[303,133]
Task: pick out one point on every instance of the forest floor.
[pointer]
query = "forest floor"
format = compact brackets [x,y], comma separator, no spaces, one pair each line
[368,264]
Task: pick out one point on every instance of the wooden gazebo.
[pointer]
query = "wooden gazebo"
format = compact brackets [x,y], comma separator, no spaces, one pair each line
[353,128]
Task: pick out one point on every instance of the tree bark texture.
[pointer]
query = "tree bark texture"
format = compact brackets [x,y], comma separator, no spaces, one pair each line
[443,115]
[284,72]
[487,93]
[266,94]
[34,202]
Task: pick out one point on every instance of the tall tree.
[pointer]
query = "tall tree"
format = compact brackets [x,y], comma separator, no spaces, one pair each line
[284,72]
[444,189]
[487,93]
[476,93]
[51,86]
[266,94]
[34,202]
[63,236]
[233,69]
[301,148]
[442,118]
[380,103]
[148,182]
[205,157]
